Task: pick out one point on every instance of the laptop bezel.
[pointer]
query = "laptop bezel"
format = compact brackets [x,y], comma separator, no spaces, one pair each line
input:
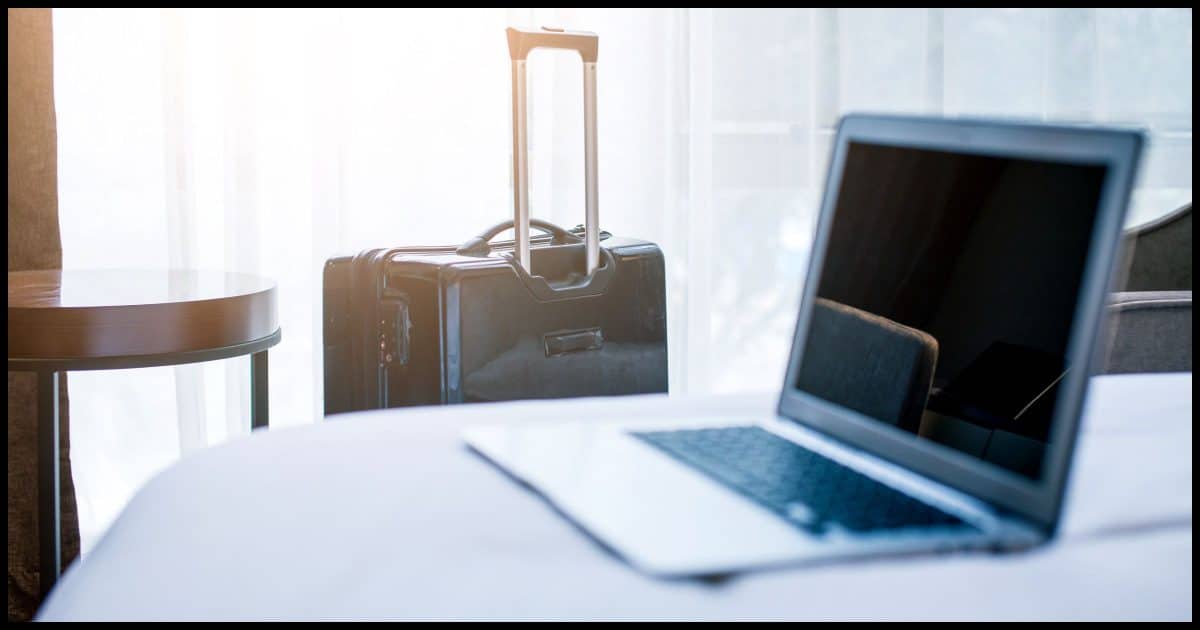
[1039,501]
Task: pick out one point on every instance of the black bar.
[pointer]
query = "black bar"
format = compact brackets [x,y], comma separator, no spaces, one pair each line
[49,534]
[259,407]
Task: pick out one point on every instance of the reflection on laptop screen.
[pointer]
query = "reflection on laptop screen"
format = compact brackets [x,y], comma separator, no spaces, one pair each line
[947,296]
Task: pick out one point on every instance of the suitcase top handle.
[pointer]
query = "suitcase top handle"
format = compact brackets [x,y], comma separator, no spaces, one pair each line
[520,42]
[479,245]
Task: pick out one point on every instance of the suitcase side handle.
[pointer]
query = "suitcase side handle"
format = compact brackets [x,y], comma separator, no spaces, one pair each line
[520,42]
[479,245]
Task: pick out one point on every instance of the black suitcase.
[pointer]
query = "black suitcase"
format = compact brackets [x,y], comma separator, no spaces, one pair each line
[569,313]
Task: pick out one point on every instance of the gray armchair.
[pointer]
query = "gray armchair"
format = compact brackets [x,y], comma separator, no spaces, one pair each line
[1150,326]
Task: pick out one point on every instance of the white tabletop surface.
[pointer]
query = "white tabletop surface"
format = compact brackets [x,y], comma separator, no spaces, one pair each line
[387,515]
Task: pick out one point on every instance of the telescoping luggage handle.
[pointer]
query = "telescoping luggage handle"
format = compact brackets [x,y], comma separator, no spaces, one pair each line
[520,43]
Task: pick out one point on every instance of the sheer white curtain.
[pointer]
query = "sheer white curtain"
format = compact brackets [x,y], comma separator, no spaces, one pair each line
[267,141]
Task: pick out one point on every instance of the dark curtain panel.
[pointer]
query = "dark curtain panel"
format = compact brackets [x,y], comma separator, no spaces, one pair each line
[33,243]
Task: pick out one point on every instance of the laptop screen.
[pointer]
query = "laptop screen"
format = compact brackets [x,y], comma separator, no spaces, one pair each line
[947,295]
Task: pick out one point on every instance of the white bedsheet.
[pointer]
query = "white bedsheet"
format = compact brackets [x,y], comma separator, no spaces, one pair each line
[388,515]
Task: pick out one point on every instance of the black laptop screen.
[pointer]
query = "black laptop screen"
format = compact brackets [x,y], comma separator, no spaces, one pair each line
[947,296]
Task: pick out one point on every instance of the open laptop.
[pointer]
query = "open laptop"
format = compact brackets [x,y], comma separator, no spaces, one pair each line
[947,328]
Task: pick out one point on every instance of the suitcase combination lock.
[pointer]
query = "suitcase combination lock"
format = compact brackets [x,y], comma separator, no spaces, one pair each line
[395,326]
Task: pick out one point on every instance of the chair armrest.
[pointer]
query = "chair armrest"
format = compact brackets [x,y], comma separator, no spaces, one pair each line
[1150,331]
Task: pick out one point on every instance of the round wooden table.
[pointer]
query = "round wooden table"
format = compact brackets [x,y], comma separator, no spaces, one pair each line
[116,319]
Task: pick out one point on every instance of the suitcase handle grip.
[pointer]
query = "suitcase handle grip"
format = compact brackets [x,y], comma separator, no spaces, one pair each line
[479,246]
[521,41]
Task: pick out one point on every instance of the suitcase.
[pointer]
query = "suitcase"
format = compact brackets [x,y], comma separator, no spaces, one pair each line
[567,313]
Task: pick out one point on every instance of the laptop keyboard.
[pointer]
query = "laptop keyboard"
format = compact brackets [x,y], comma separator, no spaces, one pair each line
[808,489]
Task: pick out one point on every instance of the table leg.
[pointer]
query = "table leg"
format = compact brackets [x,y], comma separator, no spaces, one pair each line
[49,534]
[259,407]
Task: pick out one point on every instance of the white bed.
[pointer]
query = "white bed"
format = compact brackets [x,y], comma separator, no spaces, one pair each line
[388,515]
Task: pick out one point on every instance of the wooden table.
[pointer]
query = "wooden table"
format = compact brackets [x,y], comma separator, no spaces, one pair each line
[116,319]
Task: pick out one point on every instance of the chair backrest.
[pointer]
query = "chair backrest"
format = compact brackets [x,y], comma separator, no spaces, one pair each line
[868,363]
[1161,253]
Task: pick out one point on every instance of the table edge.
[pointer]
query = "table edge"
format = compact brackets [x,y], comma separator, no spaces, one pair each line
[120,362]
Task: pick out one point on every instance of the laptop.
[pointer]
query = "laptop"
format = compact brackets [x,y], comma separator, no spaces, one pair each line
[947,327]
